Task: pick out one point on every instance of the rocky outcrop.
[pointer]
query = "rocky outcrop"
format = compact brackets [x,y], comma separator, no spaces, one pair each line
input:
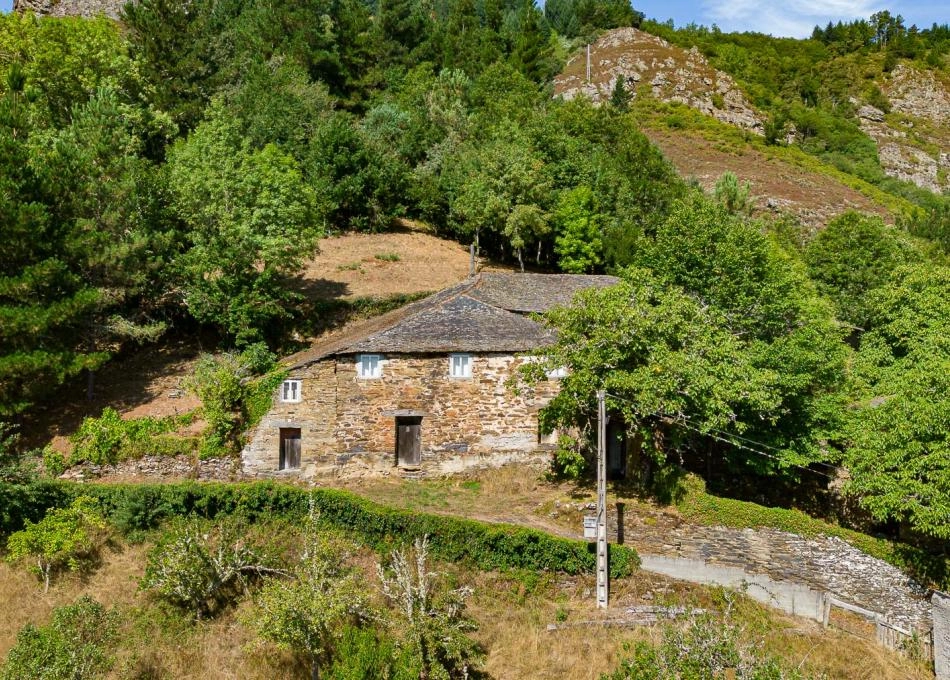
[672,74]
[914,140]
[71,8]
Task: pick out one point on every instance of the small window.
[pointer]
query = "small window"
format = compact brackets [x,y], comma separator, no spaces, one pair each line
[369,366]
[290,391]
[557,373]
[460,365]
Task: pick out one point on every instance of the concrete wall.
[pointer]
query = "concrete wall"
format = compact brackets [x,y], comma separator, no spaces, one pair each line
[941,638]
[348,424]
[791,598]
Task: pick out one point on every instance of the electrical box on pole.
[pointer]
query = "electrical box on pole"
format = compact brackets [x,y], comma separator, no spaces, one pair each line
[602,566]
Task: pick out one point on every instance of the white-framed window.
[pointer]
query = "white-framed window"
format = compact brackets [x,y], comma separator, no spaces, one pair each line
[369,365]
[460,365]
[290,391]
[557,373]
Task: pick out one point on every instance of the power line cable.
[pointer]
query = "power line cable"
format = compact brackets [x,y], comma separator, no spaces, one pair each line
[680,421]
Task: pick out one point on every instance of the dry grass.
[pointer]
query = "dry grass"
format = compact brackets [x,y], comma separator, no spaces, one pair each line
[512,611]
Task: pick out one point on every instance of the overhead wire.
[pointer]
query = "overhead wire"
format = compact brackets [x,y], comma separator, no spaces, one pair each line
[728,438]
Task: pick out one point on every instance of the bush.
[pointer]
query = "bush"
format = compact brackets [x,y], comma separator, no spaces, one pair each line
[203,569]
[74,645]
[701,649]
[64,539]
[108,439]
[54,462]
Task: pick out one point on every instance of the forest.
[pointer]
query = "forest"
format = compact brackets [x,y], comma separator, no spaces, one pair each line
[172,171]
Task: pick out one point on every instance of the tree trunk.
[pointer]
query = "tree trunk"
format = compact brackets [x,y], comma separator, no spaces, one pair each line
[520,261]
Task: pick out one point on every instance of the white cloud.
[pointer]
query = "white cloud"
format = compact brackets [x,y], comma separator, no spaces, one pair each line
[794,18]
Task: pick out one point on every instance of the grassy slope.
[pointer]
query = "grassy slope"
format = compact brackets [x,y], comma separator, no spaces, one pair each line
[513,611]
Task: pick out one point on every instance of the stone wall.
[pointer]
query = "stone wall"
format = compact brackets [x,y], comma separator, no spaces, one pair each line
[348,424]
[160,467]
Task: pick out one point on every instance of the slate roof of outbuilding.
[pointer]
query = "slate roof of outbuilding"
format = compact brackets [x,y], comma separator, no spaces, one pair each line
[482,314]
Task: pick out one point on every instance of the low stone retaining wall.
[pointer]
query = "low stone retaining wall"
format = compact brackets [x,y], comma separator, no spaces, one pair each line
[161,467]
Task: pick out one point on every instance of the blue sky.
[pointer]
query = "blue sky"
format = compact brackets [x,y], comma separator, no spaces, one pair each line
[794,18]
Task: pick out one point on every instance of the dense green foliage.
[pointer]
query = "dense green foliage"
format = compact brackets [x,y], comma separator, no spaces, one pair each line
[75,644]
[486,546]
[110,438]
[177,174]
[63,539]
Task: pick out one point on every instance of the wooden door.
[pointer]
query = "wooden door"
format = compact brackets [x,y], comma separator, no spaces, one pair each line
[408,440]
[289,448]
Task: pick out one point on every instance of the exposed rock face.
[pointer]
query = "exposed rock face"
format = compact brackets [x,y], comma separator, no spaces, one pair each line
[914,139]
[71,8]
[672,74]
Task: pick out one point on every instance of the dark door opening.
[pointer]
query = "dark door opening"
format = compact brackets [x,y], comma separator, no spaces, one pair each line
[409,440]
[289,448]
[616,449]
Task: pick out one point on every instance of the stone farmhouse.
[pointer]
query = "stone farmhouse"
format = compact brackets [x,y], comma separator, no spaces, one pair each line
[421,390]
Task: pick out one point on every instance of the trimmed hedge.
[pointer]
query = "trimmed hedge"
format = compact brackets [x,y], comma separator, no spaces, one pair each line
[483,545]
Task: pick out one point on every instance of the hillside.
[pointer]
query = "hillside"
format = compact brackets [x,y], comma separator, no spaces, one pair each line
[351,271]
[912,139]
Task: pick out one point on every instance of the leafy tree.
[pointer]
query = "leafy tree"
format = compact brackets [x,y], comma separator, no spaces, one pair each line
[251,221]
[580,231]
[899,448]
[221,383]
[431,623]
[854,255]
[765,299]
[310,613]
[64,539]
[203,569]
[75,644]
[659,354]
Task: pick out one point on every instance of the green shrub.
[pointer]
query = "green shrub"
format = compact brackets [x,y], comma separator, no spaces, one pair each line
[387,257]
[701,649]
[54,462]
[109,438]
[567,462]
[64,539]
[202,569]
[75,644]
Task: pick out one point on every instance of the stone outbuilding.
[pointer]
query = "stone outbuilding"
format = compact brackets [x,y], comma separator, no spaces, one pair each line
[422,390]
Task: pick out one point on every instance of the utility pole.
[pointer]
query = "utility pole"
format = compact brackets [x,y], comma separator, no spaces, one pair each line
[588,63]
[602,566]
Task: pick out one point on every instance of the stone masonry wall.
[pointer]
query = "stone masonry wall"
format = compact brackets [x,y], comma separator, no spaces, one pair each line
[348,424]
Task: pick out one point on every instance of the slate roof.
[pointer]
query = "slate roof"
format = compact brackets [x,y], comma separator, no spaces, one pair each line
[483,314]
